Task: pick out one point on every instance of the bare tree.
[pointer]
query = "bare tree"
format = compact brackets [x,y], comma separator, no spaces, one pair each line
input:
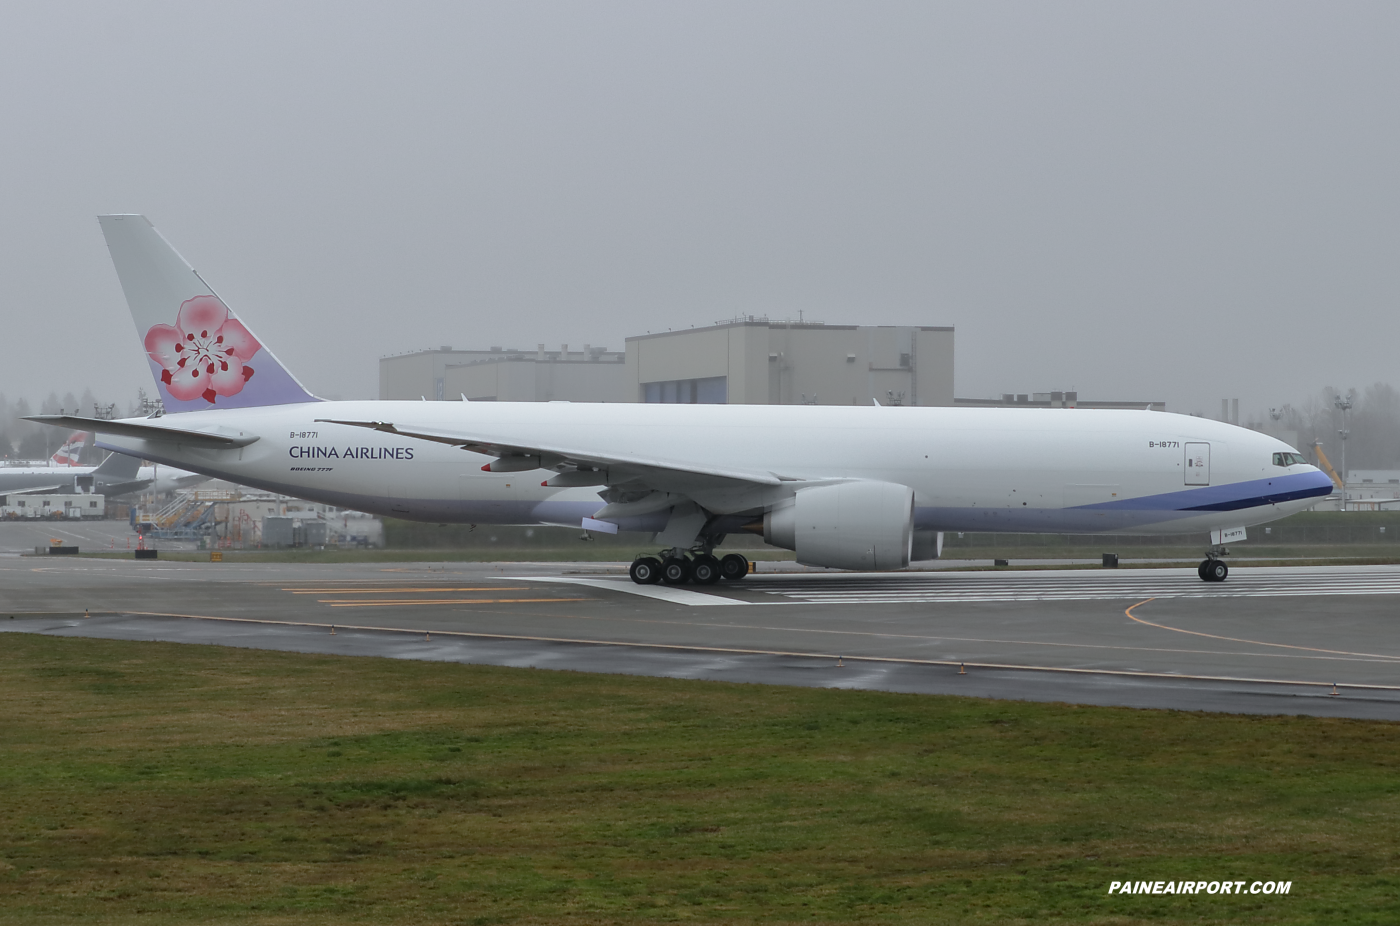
[1372,426]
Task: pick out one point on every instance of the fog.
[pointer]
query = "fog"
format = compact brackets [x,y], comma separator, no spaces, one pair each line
[1135,201]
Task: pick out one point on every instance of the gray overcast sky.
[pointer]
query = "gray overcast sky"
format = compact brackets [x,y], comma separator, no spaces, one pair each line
[1140,200]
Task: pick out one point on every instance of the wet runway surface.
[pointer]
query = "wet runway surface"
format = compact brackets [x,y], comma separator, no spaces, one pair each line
[1269,640]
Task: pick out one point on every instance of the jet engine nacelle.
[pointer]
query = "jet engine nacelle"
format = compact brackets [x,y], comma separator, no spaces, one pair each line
[850,525]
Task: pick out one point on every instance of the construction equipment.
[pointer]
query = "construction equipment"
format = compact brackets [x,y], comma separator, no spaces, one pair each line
[1326,465]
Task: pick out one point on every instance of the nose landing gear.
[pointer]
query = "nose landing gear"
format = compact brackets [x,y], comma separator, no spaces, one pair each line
[1213,568]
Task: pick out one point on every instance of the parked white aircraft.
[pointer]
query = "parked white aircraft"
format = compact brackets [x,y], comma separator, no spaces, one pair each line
[846,487]
[112,478]
[164,479]
[62,474]
[115,476]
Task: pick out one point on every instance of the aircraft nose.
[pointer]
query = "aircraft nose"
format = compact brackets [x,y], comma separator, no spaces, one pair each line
[1321,480]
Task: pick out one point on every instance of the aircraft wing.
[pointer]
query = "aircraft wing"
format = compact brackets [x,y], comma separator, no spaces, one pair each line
[719,489]
[149,429]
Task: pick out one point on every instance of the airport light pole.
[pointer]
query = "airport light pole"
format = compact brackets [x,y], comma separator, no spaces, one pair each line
[1344,403]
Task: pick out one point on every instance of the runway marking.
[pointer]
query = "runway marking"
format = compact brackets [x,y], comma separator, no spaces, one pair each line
[1008,587]
[972,588]
[1129,673]
[627,586]
[1213,636]
[928,639]
[932,639]
[392,603]
[382,591]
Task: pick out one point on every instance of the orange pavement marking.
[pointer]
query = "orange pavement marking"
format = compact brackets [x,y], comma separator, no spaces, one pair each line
[396,603]
[382,591]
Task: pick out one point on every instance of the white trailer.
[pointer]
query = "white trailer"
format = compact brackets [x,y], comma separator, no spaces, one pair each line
[37,507]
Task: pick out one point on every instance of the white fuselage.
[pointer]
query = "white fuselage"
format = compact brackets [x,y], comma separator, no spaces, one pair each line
[22,478]
[1052,470]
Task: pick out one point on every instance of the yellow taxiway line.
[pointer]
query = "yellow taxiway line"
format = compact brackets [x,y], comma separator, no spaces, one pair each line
[383,591]
[398,603]
[1215,636]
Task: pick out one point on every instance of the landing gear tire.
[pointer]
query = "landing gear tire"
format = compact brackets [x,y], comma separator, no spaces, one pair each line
[1213,570]
[675,571]
[645,570]
[733,567]
[704,569]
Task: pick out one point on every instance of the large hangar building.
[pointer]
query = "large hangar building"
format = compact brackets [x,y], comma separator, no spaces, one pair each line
[501,374]
[750,360]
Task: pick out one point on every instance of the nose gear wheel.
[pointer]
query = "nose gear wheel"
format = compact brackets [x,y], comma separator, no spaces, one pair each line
[1213,570]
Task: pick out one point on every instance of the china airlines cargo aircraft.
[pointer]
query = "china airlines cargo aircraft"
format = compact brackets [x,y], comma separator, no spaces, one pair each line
[846,487]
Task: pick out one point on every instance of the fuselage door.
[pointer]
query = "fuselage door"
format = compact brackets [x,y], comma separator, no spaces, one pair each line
[1197,468]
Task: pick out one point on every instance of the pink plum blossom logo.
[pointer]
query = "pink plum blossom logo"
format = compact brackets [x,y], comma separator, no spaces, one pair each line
[205,354]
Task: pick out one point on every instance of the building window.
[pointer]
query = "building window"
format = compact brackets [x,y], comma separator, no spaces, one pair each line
[712,390]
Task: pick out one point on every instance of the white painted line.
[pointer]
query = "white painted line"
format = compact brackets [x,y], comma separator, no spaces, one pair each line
[865,589]
[627,586]
[953,593]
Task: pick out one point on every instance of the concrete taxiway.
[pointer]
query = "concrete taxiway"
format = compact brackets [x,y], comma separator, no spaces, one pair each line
[1269,640]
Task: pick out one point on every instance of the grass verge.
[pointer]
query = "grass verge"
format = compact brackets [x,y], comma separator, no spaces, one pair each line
[156,783]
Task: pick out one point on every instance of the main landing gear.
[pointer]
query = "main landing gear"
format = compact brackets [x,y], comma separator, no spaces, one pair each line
[1213,568]
[677,567]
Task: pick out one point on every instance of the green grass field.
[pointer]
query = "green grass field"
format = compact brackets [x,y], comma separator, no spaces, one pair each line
[155,783]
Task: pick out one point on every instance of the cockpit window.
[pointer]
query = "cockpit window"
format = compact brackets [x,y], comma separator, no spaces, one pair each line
[1288,459]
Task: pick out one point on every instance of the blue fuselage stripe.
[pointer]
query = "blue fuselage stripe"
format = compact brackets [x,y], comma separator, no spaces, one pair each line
[1232,496]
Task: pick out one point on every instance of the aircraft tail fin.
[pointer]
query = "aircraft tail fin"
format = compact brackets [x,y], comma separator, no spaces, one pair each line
[118,466]
[201,355]
[72,449]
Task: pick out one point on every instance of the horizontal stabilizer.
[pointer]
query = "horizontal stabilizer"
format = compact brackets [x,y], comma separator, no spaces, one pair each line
[116,489]
[147,429]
